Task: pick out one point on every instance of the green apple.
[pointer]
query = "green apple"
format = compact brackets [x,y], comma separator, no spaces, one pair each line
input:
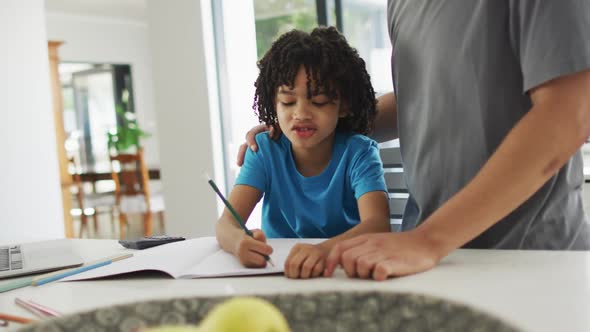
[245,314]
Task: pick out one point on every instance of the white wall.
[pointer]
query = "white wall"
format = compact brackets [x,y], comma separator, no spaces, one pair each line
[30,196]
[180,40]
[106,40]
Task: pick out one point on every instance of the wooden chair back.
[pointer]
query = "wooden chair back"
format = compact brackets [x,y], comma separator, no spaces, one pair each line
[131,178]
[130,175]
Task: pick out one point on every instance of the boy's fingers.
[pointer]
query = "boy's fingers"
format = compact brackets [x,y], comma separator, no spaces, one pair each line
[333,260]
[261,248]
[257,243]
[308,266]
[259,235]
[318,269]
[293,263]
[253,259]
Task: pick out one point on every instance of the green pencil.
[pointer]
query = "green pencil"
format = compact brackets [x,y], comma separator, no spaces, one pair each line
[14,284]
[234,213]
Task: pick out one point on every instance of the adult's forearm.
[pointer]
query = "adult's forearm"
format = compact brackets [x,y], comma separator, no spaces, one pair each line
[385,128]
[523,162]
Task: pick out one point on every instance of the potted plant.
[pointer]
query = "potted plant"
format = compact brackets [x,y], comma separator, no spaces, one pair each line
[127,135]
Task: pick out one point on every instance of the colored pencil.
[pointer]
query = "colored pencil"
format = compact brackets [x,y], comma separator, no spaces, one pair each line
[14,284]
[46,311]
[237,217]
[69,272]
[16,319]
[30,308]
[58,272]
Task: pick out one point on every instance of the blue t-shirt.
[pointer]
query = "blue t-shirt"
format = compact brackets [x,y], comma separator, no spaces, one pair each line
[321,206]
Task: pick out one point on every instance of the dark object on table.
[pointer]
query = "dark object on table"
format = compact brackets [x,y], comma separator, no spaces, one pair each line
[150,241]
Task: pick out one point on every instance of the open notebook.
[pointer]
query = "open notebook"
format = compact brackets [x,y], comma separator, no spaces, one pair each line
[193,258]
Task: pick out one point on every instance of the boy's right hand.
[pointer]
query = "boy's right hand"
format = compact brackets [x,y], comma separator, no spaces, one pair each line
[274,132]
[251,250]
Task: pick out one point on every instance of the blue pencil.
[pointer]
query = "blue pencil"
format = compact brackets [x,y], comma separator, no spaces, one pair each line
[77,270]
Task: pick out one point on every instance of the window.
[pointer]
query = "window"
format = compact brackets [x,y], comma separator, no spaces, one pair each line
[273,18]
[364,23]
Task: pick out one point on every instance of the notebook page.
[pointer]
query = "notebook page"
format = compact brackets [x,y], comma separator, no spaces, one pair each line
[221,263]
[172,258]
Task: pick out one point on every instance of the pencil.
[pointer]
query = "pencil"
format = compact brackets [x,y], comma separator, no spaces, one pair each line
[58,272]
[46,311]
[30,308]
[18,283]
[16,319]
[234,213]
[83,268]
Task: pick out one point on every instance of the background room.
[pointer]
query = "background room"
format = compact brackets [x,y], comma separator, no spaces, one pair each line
[175,78]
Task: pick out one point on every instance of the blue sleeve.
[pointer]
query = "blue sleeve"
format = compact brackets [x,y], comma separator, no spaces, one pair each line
[367,170]
[253,171]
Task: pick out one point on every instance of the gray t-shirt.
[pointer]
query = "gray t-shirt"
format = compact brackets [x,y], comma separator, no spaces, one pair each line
[462,71]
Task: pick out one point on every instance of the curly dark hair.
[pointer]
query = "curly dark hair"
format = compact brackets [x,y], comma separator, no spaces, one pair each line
[335,68]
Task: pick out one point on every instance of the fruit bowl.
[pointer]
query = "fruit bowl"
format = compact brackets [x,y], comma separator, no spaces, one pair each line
[322,311]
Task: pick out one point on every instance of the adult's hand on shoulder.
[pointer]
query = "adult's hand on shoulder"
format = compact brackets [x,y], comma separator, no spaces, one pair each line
[383,255]
[251,140]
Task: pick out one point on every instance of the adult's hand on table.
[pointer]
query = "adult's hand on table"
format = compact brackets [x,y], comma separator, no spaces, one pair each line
[383,255]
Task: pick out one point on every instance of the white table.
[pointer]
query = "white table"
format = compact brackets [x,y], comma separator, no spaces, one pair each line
[534,290]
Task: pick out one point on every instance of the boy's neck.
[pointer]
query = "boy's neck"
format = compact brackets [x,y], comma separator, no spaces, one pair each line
[313,161]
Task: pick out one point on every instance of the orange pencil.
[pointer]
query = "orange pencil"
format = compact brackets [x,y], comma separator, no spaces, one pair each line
[17,319]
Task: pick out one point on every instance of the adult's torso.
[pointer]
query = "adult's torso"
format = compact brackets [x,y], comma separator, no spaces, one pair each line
[460,90]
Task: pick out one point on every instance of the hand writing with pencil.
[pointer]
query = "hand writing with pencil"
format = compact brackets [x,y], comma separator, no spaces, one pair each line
[232,234]
[251,250]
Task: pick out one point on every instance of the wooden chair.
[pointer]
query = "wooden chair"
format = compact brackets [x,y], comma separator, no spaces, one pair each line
[396,185]
[132,192]
[88,205]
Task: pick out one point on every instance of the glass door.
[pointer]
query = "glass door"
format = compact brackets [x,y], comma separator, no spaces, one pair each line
[95,112]
[364,23]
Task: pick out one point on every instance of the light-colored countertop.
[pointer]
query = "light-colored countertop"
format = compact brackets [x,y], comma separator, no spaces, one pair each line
[534,290]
